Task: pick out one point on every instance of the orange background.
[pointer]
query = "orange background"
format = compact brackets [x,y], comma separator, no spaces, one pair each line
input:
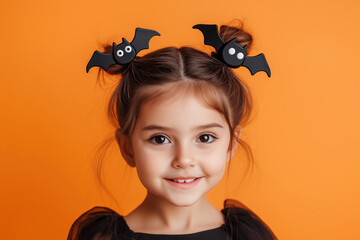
[305,135]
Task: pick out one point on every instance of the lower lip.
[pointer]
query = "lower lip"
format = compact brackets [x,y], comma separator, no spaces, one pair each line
[184,185]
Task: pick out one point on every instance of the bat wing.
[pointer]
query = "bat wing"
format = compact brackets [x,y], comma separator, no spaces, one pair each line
[256,64]
[211,35]
[102,60]
[142,38]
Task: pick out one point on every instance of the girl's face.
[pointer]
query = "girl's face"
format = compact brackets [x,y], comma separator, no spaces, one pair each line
[180,138]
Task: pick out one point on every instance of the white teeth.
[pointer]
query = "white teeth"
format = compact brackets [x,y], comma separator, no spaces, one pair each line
[183,180]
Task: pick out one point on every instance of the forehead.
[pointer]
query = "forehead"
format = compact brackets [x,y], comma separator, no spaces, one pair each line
[205,92]
[178,108]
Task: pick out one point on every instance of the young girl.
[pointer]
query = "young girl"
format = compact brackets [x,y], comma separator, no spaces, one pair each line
[178,114]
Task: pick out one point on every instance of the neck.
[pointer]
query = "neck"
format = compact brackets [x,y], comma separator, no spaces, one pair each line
[164,217]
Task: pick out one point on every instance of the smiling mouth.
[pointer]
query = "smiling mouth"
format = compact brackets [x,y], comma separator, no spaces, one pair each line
[183,180]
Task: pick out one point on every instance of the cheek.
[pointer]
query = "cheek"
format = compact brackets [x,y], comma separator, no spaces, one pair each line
[150,164]
[213,164]
[215,169]
[215,156]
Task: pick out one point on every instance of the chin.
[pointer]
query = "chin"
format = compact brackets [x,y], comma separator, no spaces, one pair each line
[185,201]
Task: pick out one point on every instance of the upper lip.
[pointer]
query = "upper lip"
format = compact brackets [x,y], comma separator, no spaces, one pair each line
[182,177]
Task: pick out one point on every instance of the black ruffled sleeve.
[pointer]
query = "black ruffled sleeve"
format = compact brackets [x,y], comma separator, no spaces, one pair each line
[243,224]
[99,223]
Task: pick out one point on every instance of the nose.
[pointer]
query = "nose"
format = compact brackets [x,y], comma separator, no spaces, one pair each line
[183,157]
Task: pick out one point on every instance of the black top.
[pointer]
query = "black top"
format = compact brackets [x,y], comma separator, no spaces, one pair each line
[216,234]
[101,223]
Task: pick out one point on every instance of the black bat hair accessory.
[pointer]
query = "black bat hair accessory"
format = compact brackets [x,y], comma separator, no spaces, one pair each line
[231,53]
[123,53]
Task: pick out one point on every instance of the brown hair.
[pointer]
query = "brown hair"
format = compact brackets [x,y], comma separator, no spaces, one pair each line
[194,70]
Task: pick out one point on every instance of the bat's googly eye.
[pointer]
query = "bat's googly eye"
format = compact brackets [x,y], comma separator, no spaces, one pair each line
[240,55]
[128,49]
[120,53]
[231,51]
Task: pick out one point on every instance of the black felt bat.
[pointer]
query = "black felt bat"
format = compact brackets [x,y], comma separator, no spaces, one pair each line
[231,53]
[123,53]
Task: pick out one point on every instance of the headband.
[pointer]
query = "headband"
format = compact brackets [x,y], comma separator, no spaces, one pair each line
[230,53]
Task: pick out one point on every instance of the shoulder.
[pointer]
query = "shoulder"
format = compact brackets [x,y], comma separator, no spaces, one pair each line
[98,223]
[242,223]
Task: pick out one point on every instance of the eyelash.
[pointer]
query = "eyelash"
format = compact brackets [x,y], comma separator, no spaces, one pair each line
[152,139]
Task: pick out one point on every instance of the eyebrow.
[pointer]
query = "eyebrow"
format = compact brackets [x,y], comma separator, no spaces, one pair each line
[162,128]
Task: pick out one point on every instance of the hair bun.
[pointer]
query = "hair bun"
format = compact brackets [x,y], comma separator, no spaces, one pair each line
[228,33]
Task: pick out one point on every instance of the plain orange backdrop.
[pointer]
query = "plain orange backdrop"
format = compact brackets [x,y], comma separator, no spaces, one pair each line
[305,134]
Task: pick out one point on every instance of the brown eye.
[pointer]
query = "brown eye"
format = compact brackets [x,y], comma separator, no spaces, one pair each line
[159,139]
[207,138]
